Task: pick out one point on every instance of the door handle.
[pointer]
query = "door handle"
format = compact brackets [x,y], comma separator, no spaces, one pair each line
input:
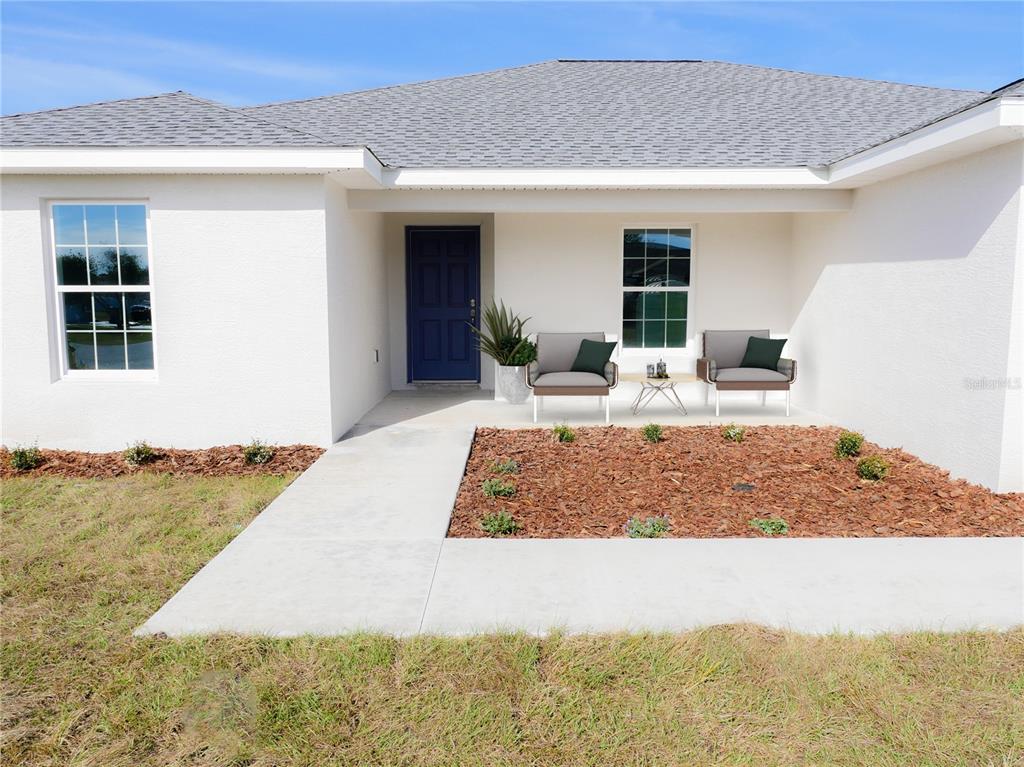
[472,308]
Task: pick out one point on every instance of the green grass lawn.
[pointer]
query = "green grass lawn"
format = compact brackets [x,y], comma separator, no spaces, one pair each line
[86,561]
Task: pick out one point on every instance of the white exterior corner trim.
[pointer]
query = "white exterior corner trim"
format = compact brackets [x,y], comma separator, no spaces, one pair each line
[602,178]
[92,160]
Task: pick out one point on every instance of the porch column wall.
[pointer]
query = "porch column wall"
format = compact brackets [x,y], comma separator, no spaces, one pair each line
[906,326]
[357,310]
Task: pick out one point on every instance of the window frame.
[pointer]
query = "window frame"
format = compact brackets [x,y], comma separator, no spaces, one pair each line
[660,350]
[66,373]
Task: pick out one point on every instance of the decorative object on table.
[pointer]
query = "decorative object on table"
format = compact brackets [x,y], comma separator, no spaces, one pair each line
[502,339]
[651,387]
[651,370]
[741,360]
[554,371]
[662,369]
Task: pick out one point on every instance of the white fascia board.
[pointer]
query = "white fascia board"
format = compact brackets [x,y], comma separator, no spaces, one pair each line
[989,124]
[603,178]
[92,160]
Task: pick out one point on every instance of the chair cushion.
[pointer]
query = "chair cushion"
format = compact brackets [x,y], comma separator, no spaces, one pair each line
[727,347]
[749,375]
[593,356]
[763,353]
[571,380]
[557,351]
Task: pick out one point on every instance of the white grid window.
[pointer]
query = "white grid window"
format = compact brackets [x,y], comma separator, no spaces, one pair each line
[101,257]
[655,287]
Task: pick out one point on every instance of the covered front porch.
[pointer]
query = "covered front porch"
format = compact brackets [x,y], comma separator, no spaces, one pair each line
[564,261]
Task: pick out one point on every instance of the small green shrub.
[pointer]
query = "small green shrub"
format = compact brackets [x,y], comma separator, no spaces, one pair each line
[563,433]
[501,523]
[138,454]
[510,466]
[873,467]
[498,488]
[652,527]
[771,526]
[653,432]
[733,432]
[25,458]
[257,452]
[849,444]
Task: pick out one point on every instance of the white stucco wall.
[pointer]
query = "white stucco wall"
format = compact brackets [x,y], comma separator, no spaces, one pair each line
[903,311]
[564,271]
[357,310]
[239,307]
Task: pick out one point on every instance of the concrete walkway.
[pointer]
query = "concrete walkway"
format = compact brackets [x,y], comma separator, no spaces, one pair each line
[357,544]
[351,545]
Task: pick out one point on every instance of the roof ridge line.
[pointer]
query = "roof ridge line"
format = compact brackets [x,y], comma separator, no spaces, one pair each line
[841,77]
[985,98]
[631,61]
[400,85]
[1002,88]
[100,103]
[239,112]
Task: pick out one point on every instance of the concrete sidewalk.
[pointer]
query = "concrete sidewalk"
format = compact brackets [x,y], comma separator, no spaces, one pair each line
[351,545]
[357,543]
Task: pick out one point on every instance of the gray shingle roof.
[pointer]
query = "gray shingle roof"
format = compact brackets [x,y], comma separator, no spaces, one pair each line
[552,114]
[623,114]
[170,119]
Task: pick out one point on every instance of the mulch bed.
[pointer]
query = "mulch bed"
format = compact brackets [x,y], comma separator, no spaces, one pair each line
[212,462]
[591,487]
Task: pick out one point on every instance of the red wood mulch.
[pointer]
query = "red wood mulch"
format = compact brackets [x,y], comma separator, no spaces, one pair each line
[212,462]
[591,487]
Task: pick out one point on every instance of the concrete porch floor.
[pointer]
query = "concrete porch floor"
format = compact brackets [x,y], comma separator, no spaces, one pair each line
[460,407]
[357,543]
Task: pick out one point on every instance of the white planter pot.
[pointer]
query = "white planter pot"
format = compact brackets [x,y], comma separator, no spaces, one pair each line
[512,384]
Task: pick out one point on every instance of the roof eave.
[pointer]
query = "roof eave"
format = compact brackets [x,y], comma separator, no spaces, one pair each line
[993,122]
[358,165]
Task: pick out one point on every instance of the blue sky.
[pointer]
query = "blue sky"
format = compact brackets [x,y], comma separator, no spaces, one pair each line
[59,54]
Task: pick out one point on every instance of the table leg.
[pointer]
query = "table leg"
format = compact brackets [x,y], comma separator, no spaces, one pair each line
[665,390]
[647,393]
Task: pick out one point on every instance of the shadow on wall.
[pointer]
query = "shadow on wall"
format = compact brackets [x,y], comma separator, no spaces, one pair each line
[899,301]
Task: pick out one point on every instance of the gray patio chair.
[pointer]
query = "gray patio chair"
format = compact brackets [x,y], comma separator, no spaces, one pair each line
[550,375]
[719,366]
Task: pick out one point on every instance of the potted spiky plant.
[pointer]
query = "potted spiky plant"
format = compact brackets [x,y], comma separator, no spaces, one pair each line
[502,338]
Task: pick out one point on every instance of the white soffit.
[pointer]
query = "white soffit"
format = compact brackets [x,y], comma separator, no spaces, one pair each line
[603,178]
[602,201]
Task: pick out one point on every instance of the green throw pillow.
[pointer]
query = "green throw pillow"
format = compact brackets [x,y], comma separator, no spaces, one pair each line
[763,353]
[593,356]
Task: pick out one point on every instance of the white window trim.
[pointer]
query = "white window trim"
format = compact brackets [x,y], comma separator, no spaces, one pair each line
[98,376]
[662,351]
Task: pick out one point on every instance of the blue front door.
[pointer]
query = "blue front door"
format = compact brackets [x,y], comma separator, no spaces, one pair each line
[443,290]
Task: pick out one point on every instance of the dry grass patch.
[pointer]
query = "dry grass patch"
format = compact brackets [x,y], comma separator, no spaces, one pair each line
[86,561]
